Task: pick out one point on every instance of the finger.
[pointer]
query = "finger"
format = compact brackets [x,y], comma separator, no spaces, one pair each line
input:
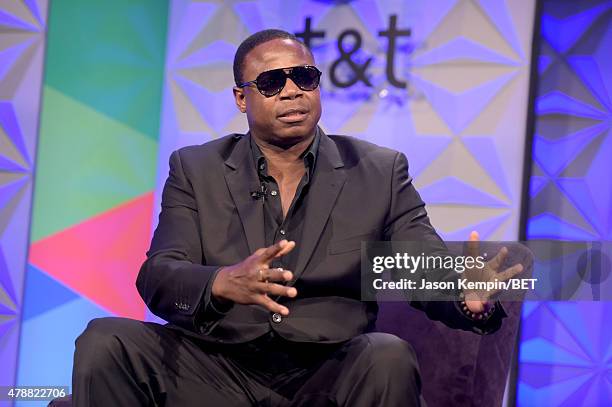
[276,289]
[286,249]
[275,274]
[510,272]
[279,249]
[499,258]
[272,305]
[473,244]
[267,253]
[259,251]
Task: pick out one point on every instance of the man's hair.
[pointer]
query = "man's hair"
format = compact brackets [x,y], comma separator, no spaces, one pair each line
[254,40]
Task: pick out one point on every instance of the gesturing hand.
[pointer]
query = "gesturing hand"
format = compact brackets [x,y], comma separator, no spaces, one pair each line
[477,300]
[251,280]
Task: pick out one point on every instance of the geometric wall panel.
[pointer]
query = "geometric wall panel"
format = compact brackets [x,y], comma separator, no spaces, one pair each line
[100,257]
[22,48]
[109,172]
[565,354]
[41,285]
[47,343]
[466,69]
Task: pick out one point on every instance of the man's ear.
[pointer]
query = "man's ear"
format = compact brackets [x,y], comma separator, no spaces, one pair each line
[240,98]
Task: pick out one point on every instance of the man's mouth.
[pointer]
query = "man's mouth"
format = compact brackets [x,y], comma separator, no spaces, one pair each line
[293,115]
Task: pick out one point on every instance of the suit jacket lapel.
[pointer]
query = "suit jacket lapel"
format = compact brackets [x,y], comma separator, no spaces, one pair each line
[329,177]
[241,178]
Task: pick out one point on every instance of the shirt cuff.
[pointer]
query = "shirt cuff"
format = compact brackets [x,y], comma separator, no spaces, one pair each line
[211,308]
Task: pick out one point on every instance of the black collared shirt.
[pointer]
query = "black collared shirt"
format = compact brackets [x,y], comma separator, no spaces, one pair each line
[277,228]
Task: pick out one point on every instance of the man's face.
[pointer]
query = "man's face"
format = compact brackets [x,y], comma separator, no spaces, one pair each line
[288,117]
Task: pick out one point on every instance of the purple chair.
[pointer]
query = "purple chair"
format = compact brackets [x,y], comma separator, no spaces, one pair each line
[460,368]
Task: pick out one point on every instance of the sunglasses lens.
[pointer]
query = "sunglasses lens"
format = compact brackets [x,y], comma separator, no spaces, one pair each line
[270,83]
[306,77]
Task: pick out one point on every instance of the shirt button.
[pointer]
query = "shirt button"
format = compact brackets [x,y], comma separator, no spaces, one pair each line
[282,232]
[277,318]
[273,193]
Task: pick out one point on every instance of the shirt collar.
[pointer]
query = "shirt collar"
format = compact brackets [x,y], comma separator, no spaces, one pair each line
[309,155]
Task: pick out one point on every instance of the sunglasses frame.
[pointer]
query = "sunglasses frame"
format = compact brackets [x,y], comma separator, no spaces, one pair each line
[288,72]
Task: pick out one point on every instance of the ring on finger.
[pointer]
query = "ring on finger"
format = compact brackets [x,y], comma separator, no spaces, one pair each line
[261,277]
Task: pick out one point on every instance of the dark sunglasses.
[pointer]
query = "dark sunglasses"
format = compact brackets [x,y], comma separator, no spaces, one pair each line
[270,83]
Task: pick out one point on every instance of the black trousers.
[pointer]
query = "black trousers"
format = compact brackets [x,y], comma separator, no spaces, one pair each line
[123,362]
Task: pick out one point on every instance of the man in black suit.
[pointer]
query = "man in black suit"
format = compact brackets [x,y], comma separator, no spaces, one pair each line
[255,264]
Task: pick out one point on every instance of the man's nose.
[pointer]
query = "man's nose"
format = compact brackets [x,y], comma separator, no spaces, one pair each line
[291,90]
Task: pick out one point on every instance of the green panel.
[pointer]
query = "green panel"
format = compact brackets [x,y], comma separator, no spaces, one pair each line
[101,108]
[87,163]
[110,55]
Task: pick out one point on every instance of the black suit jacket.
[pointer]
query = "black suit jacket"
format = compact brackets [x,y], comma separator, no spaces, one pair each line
[209,219]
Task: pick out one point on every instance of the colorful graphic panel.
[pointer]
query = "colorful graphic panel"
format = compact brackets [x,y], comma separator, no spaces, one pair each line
[95,176]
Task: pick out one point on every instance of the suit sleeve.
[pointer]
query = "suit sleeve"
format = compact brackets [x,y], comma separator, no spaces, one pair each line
[174,281]
[408,221]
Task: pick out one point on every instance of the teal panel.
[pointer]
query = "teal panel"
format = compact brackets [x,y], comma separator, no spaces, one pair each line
[110,55]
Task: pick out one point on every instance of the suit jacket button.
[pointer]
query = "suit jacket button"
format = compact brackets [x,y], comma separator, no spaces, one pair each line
[277,318]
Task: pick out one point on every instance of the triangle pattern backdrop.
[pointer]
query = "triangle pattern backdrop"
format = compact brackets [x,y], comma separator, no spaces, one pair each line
[466,64]
[22,48]
[565,353]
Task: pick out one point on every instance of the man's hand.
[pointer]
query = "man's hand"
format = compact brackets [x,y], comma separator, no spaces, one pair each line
[477,301]
[251,280]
